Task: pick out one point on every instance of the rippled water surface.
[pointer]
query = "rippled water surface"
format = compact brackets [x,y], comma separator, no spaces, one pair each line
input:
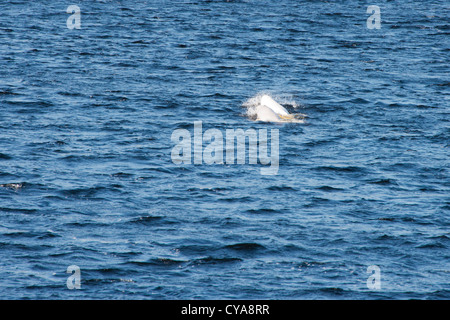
[87,179]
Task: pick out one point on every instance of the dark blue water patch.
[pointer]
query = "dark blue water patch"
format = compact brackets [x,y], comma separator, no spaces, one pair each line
[333,291]
[387,219]
[237,199]
[249,247]
[344,169]
[123,176]
[224,223]
[108,272]
[384,182]
[153,220]
[7,175]
[215,261]
[323,142]
[196,249]
[86,157]
[263,211]
[282,188]
[18,210]
[27,234]
[438,295]
[89,193]
[163,262]
[86,224]
[4,156]
[29,107]
[436,242]
[329,188]
[128,255]
[21,247]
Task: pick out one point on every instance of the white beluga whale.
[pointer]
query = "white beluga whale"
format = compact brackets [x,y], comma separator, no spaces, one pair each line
[273,105]
[271,111]
[266,114]
[264,108]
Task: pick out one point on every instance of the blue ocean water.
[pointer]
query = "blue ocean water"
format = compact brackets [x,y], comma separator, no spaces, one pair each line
[87,179]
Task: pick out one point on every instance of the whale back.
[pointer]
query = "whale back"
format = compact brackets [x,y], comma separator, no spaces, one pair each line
[273,105]
[266,114]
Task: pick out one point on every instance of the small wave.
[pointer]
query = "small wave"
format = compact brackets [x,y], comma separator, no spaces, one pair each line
[386,219]
[149,220]
[333,290]
[194,249]
[441,238]
[209,189]
[238,199]
[310,264]
[432,245]
[386,237]
[329,189]
[82,192]
[122,175]
[48,234]
[5,157]
[340,169]
[17,210]
[383,182]
[262,211]
[212,260]
[319,142]
[166,262]
[245,246]
[281,188]
[87,224]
